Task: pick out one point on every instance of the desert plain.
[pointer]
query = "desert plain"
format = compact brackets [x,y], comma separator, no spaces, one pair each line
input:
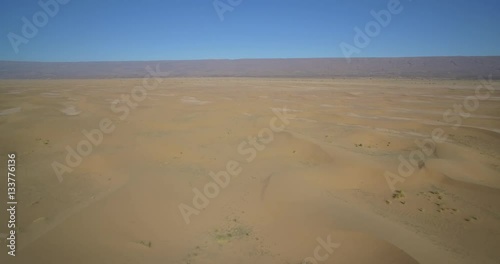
[253,170]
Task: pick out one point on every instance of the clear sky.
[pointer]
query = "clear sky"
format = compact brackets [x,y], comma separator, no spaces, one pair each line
[124,30]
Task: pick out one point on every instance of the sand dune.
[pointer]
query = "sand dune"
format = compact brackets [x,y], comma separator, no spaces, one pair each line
[314,174]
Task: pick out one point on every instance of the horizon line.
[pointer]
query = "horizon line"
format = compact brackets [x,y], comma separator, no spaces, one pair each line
[276,58]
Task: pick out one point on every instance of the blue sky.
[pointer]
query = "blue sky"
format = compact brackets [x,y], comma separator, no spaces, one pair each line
[125,30]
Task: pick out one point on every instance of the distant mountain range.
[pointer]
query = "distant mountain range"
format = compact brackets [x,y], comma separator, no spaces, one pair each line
[415,67]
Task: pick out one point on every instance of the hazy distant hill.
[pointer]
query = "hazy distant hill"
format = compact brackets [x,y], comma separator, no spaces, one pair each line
[434,67]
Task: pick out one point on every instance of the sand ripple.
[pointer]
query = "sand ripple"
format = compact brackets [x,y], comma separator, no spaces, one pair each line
[193,100]
[10,111]
[70,110]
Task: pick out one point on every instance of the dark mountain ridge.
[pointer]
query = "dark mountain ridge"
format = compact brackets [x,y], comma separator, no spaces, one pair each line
[414,67]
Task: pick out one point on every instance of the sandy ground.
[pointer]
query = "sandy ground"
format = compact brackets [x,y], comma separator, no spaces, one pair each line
[341,176]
